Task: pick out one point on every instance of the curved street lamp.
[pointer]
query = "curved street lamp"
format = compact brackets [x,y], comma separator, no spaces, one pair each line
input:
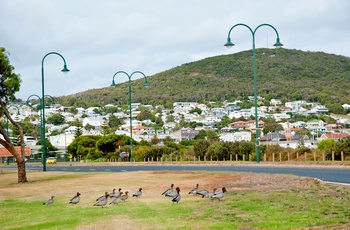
[40,106]
[229,44]
[146,84]
[64,70]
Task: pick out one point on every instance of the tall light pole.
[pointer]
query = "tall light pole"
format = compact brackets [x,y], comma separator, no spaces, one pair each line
[43,140]
[229,44]
[130,110]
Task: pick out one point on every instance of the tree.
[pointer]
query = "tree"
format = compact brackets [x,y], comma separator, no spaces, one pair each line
[200,147]
[50,149]
[108,144]
[272,126]
[114,121]
[78,131]
[144,115]
[84,146]
[56,119]
[10,84]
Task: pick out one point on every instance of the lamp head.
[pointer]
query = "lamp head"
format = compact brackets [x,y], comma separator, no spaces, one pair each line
[146,84]
[113,83]
[229,44]
[65,69]
[278,43]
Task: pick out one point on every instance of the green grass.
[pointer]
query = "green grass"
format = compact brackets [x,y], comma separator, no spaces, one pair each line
[323,206]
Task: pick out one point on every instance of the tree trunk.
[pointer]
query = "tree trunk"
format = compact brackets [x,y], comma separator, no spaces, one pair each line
[22,175]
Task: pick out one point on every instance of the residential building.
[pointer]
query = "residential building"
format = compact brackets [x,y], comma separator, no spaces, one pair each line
[236,136]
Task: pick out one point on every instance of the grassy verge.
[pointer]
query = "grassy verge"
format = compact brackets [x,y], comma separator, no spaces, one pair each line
[317,206]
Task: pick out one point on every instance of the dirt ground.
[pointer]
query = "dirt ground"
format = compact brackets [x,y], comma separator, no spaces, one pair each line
[94,185]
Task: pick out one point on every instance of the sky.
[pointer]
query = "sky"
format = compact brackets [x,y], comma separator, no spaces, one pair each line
[99,38]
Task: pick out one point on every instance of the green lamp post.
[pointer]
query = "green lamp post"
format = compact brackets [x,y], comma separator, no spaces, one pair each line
[43,140]
[146,84]
[229,44]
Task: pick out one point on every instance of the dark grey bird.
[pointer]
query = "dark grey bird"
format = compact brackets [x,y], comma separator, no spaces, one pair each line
[209,194]
[177,198]
[194,190]
[138,193]
[103,197]
[49,201]
[117,200]
[115,194]
[125,196]
[172,194]
[219,194]
[75,199]
[202,192]
[102,202]
[169,190]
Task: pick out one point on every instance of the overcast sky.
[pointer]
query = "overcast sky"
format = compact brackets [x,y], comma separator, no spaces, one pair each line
[99,38]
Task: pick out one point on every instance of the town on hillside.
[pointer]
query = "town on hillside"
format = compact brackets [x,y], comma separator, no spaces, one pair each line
[290,133]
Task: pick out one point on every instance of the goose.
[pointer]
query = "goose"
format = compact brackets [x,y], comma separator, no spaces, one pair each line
[202,192]
[49,201]
[219,194]
[194,191]
[103,197]
[138,193]
[177,198]
[117,200]
[102,202]
[209,194]
[75,199]
[173,193]
[115,194]
[125,196]
[169,190]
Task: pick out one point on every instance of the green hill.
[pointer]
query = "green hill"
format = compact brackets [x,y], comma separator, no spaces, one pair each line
[281,73]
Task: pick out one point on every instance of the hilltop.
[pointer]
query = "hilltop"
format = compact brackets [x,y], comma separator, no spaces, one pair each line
[281,73]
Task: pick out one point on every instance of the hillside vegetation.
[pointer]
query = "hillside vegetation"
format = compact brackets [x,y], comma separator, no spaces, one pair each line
[281,73]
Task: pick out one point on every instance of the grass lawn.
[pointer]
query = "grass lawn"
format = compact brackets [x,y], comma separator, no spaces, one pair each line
[253,201]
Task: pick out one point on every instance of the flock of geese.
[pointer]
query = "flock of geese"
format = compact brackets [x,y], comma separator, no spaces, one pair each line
[119,196]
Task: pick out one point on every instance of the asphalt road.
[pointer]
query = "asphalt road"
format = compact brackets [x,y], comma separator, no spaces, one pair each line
[332,175]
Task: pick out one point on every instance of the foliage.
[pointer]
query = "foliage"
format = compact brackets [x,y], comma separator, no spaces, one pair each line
[145,114]
[84,146]
[200,147]
[271,126]
[109,143]
[195,110]
[155,140]
[157,152]
[10,82]
[56,119]
[114,121]
[342,145]
[50,149]
[78,131]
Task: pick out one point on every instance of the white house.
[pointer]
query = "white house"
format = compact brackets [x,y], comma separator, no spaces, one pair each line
[346,106]
[94,121]
[237,136]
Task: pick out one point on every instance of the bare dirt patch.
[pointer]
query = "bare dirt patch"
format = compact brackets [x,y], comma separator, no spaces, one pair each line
[153,183]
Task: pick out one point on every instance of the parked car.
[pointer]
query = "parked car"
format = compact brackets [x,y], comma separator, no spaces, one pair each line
[51,160]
